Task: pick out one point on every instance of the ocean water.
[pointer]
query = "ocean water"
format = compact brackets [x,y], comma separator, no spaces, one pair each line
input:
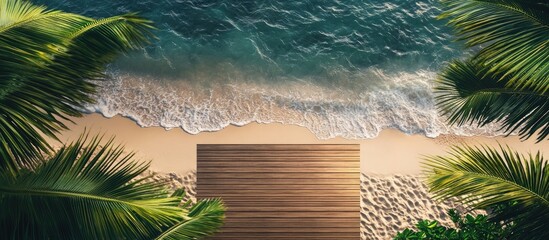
[346,68]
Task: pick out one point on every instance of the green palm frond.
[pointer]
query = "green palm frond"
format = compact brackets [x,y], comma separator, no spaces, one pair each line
[93,191]
[29,102]
[16,11]
[487,178]
[514,35]
[209,212]
[84,192]
[46,61]
[466,94]
[31,36]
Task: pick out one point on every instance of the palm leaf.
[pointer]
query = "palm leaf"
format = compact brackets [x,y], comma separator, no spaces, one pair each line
[514,35]
[45,71]
[102,40]
[85,192]
[27,44]
[204,218]
[487,178]
[466,94]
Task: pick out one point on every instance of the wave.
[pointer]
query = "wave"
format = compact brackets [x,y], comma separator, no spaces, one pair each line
[403,101]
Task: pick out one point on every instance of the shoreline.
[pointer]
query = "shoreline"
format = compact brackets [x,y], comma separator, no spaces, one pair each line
[174,150]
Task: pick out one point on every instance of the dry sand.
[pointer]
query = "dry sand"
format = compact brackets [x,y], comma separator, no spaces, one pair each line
[174,151]
[393,196]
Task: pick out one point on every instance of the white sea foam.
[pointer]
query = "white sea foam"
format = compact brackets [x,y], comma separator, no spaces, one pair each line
[354,110]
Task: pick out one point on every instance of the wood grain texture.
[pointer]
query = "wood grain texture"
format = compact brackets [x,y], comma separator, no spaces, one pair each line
[277,175]
[271,164]
[278,147]
[265,186]
[283,191]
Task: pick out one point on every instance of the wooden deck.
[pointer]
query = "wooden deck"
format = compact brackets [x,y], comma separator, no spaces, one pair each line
[283,191]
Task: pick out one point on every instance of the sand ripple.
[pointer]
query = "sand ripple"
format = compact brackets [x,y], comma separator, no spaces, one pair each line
[392,203]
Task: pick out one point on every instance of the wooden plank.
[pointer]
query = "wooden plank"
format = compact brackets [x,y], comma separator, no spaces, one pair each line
[285,214]
[247,229]
[283,175]
[262,235]
[355,220]
[284,238]
[252,199]
[318,204]
[270,170]
[274,158]
[254,208]
[278,181]
[273,187]
[272,154]
[288,224]
[272,164]
[283,191]
[278,193]
[268,154]
[278,147]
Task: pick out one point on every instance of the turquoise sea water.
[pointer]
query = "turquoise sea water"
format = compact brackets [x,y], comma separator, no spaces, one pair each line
[340,68]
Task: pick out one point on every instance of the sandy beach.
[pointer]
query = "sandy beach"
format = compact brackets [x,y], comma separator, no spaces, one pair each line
[393,196]
[392,152]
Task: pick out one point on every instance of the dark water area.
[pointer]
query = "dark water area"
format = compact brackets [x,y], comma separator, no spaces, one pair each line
[288,39]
